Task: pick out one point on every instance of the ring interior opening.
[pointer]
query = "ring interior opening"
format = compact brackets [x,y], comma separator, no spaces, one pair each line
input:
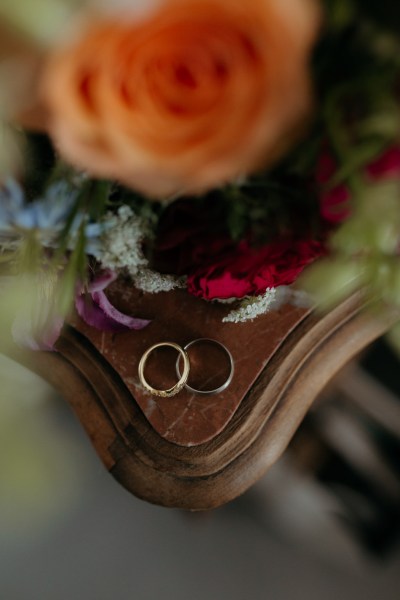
[160,371]
[210,366]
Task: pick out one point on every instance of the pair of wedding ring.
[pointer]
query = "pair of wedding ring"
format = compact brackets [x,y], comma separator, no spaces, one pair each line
[183,374]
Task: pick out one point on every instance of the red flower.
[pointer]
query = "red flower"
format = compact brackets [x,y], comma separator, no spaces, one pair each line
[335,202]
[193,240]
[386,166]
[249,271]
[190,234]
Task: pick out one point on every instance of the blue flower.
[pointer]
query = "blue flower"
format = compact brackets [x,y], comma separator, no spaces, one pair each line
[46,216]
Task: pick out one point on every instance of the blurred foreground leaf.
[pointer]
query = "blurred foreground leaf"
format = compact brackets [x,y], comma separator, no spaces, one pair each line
[39,461]
[364,250]
[329,281]
[11,150]
[33,307]
[42,20]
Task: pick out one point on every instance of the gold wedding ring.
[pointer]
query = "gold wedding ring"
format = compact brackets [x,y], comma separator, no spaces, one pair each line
[183,378]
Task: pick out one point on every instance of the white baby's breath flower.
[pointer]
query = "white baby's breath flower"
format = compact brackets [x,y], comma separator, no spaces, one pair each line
[121,246]
[252,307]
[121,249]
[153,282]
[273,298]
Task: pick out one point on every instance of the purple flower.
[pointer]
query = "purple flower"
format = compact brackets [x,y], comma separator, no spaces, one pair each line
[96,310]
[37,324]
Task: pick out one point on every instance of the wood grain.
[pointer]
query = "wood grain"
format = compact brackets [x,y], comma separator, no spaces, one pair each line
[212,473]
[188,419]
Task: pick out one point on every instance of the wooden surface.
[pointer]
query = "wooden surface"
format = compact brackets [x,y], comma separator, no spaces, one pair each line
[188,419]
[96,375]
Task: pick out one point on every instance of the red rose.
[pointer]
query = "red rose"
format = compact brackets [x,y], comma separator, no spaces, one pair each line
[191,234]
[248,271]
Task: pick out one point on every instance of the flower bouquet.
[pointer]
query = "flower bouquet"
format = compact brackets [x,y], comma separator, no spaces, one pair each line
[219,146]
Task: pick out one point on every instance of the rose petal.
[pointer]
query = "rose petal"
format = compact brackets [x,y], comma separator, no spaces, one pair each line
[248,271]
[146,100]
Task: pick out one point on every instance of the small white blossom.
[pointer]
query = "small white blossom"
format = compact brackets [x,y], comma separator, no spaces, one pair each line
[273,298]
[252,307]
[154,282]
[122,244]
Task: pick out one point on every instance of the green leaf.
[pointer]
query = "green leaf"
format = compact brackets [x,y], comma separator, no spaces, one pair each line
[329,281]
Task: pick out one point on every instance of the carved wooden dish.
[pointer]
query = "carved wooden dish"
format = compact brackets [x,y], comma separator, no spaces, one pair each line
[200,451]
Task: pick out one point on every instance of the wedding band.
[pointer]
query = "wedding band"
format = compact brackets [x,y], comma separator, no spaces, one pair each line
[222,387]
[182,377]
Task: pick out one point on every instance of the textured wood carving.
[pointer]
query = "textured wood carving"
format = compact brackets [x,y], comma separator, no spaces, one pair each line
[200,453]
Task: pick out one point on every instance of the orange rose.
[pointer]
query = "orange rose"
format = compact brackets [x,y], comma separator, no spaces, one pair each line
[186,98]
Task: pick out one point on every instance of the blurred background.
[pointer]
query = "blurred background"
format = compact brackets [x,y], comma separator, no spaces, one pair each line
[323,523]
